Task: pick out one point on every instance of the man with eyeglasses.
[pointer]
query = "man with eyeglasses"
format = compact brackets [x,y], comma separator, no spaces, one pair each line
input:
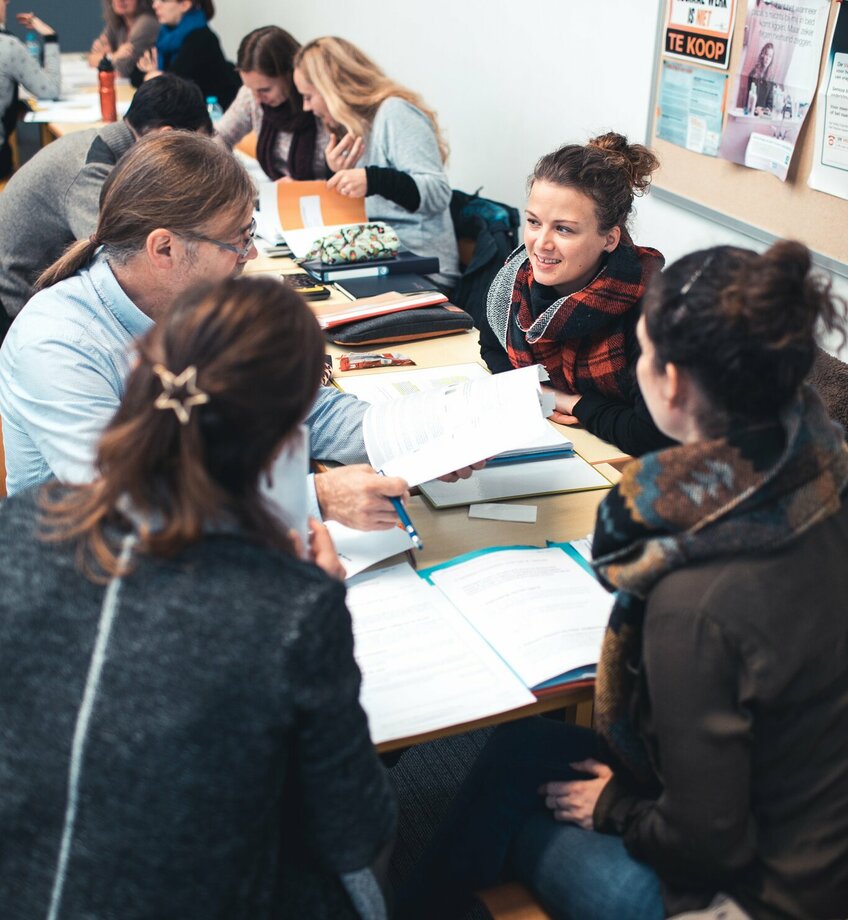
[53,199]
[177,210]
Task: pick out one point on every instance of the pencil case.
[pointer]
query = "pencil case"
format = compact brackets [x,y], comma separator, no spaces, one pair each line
[421,323]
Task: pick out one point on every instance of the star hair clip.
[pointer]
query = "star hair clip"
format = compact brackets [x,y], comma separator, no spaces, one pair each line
[179,392]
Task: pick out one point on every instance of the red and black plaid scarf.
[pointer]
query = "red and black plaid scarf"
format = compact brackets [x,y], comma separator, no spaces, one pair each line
[582,339]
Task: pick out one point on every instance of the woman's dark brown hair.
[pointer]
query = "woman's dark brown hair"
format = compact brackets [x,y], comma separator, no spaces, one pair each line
[207,6]
[743,325]
[258,353]
[271,51]
[607,169]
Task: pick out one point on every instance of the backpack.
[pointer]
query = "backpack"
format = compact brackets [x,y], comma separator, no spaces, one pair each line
[487,232]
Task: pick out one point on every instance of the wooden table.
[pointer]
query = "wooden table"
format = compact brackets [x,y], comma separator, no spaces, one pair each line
[450,532]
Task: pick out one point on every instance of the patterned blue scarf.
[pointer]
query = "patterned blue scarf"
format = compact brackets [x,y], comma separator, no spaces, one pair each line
[751,491]
[171,38]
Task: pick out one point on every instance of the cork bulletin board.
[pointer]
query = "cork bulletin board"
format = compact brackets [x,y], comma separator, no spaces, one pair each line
[748,200]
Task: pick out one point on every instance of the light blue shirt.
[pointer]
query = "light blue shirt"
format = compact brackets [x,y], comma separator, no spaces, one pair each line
[62,370]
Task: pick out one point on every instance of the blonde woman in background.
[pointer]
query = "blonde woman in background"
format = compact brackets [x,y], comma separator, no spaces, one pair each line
[385,145]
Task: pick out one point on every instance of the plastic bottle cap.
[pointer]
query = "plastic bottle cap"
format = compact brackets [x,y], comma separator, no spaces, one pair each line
[105,64]
[211,100]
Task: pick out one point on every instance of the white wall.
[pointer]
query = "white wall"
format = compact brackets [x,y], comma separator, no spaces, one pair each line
[510,81]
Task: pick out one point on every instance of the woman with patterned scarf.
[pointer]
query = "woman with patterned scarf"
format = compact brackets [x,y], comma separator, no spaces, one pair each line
[569,298]
[718,767]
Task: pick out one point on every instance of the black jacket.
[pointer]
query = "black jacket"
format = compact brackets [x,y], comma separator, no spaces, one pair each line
[201,59]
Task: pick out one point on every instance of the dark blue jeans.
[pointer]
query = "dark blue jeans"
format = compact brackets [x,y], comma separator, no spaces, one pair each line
[499,829]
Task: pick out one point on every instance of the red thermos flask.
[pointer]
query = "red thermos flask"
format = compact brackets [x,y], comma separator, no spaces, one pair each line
[106,79]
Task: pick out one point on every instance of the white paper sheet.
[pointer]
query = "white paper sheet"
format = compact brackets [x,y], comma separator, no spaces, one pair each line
[425,435]
[520,514]
[516,480]
[423,667]
[285,486]
[539,610]
[80,109]
[357,549]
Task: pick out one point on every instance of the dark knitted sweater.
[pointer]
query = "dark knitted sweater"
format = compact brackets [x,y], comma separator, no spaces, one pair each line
[227,770]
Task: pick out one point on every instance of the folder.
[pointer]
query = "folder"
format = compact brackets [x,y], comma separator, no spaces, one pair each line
[404,262]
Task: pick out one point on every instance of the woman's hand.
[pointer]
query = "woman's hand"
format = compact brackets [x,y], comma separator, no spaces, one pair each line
[321,550]
[148,64]
[353,183]
[343,154]
[575,801]
[31,21]
[99,47]
[563,413]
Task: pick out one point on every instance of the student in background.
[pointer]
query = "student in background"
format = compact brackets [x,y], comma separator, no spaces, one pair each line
[18,66]
[62,183]
[130,30]
[290,142]
[195,753]
[570,297]
[187,47]
[719,766]
[385,145]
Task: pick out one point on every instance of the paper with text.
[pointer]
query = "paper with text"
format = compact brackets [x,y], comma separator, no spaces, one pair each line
[538,609]
[423,667]
[425,435]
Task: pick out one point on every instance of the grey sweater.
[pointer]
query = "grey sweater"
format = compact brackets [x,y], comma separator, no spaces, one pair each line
[402,138]
[16,66]
[186,743]
[50,202]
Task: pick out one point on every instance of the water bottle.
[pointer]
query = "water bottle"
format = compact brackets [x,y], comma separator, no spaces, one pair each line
[33,47]
[213,107]
[751,104]
[106,82]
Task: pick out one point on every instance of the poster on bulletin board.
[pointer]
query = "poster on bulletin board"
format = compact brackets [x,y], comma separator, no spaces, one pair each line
[752,200]
[829,168]
[774,83]
[700,31]
[691,106]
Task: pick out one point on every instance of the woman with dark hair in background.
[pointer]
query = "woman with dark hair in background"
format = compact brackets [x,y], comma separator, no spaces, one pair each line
[199,749]
[187,47]
[719,764]
[130,30]
[570,297]
[290,141]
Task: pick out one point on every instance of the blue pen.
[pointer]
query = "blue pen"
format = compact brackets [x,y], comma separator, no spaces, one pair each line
[405,519]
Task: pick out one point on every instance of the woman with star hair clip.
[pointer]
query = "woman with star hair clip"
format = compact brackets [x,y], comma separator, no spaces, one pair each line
[182,726]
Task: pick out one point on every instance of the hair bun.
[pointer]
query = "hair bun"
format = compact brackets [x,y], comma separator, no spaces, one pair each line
[636,160]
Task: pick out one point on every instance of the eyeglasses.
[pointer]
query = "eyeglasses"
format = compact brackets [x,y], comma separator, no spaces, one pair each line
[241,251]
